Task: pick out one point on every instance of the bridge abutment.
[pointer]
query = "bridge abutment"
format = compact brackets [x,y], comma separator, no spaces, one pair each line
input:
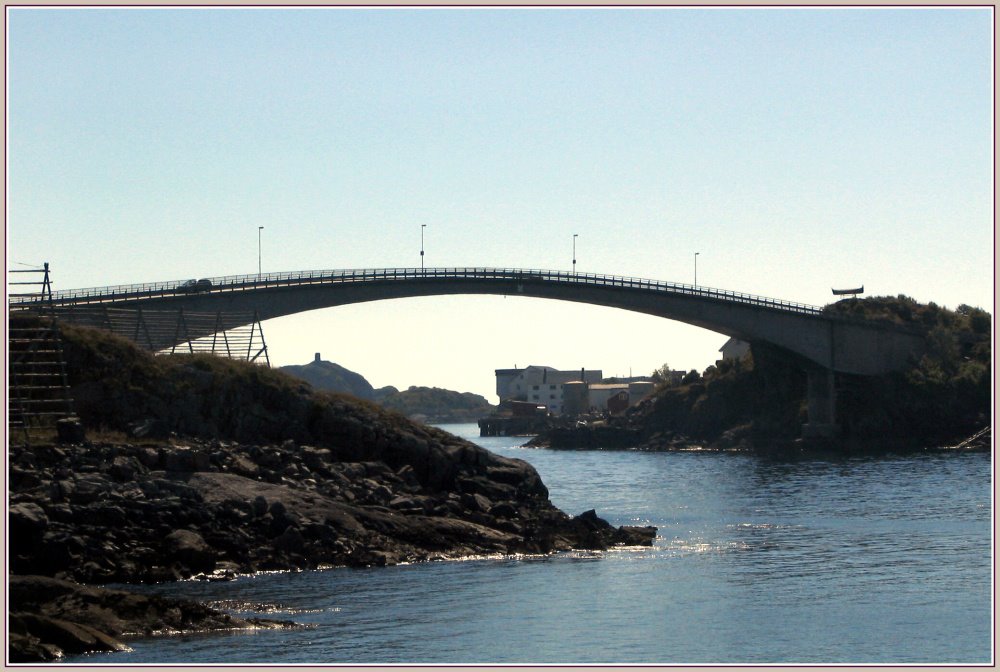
[821,397]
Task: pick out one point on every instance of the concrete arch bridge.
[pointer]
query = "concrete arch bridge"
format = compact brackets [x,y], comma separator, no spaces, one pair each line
[824,344]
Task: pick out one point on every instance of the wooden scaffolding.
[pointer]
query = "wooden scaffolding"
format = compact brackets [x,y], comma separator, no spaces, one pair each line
[179,331]
[38,392]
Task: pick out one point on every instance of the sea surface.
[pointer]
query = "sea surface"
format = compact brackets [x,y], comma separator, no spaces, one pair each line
[859,560]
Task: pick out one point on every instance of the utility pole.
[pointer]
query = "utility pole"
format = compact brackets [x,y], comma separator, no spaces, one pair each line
[696,268]
[574,252]
[422,227]
[259,229]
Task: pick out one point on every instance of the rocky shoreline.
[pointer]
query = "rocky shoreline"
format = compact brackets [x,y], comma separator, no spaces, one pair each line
[623,436]
[114,512]
[50,618]
[111,512]
[189,466]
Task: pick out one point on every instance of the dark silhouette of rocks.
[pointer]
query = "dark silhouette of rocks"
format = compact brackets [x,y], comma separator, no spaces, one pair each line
[432,404]
[50,618]
[332,377]
[197,466]
[123,512]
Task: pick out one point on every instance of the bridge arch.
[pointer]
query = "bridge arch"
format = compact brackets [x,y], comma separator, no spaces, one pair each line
[822,340]
[824,343]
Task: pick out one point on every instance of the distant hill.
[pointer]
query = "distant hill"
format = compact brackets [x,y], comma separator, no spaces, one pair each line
[438,405]
[433,404]
[325,375]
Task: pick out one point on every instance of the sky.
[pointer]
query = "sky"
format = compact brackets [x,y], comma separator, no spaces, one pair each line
[794,150]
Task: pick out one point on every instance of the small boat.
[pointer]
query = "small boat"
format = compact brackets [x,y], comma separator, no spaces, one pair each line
[841,292]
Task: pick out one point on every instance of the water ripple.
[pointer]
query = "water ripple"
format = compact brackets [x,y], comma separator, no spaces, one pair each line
[756,561]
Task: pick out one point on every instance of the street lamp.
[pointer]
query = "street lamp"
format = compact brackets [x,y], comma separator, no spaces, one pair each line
[422,227]
[696,268]
[574,252]
[259,229]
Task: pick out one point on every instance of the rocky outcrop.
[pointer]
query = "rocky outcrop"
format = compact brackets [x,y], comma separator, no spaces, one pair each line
[332,377]
[230,467]
[50,618]
[589,436]
[113,512]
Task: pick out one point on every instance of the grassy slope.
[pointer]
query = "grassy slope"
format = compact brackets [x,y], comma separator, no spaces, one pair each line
[117,386]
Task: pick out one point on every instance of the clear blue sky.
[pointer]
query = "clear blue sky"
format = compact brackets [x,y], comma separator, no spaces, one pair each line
[795,149]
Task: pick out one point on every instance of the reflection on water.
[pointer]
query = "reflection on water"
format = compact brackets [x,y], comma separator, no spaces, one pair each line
[756,561]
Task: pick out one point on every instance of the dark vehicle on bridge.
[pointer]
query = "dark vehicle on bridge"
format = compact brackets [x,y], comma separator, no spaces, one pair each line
[202,285]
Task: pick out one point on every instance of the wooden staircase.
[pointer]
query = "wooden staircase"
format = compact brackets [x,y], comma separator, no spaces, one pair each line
[38,392]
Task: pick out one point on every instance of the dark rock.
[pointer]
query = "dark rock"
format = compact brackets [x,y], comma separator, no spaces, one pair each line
[634,536]
[24,478]
[591,521]
[27,520]
[190,549]
[242,465]
[149,457]
[503,510]
[259,506]
[405,504]
[88,488]
[382,494]
[316,458]
[49,616]
[476,502]
[26,648]
[70,430]
[290,541]
[183,458]
[279,478]
[408,475]
[124,468]
[150,428]
[64,636]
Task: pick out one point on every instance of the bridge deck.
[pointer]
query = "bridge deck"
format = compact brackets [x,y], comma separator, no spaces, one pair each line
[240,283]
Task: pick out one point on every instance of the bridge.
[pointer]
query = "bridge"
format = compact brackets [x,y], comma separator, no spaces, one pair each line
[823,343]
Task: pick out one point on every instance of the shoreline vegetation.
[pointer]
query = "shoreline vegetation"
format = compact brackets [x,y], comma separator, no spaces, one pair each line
[757,404]
[191,465]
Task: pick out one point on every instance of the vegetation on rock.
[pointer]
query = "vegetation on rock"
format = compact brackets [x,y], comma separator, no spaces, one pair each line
[759,402]
[942,396]
[332,377]
[438,405]
[218,467]
[432,404]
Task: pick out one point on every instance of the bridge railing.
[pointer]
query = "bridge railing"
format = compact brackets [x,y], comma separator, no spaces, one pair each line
[246,282]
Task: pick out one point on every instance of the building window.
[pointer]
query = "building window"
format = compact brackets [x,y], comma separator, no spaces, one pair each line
[552,387]
[552,396]
[534,387]
[535,397]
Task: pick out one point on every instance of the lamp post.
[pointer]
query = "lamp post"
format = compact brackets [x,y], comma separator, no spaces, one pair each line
[422,227]
[259,229]
[696,268]
[574,252]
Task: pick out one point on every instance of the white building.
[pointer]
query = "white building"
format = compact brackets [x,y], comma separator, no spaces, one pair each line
[546,386]
[734,349]
[541,384]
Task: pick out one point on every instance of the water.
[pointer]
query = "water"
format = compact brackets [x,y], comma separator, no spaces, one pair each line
[868,560]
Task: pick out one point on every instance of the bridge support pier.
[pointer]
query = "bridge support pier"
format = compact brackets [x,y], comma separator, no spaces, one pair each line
[821,396]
